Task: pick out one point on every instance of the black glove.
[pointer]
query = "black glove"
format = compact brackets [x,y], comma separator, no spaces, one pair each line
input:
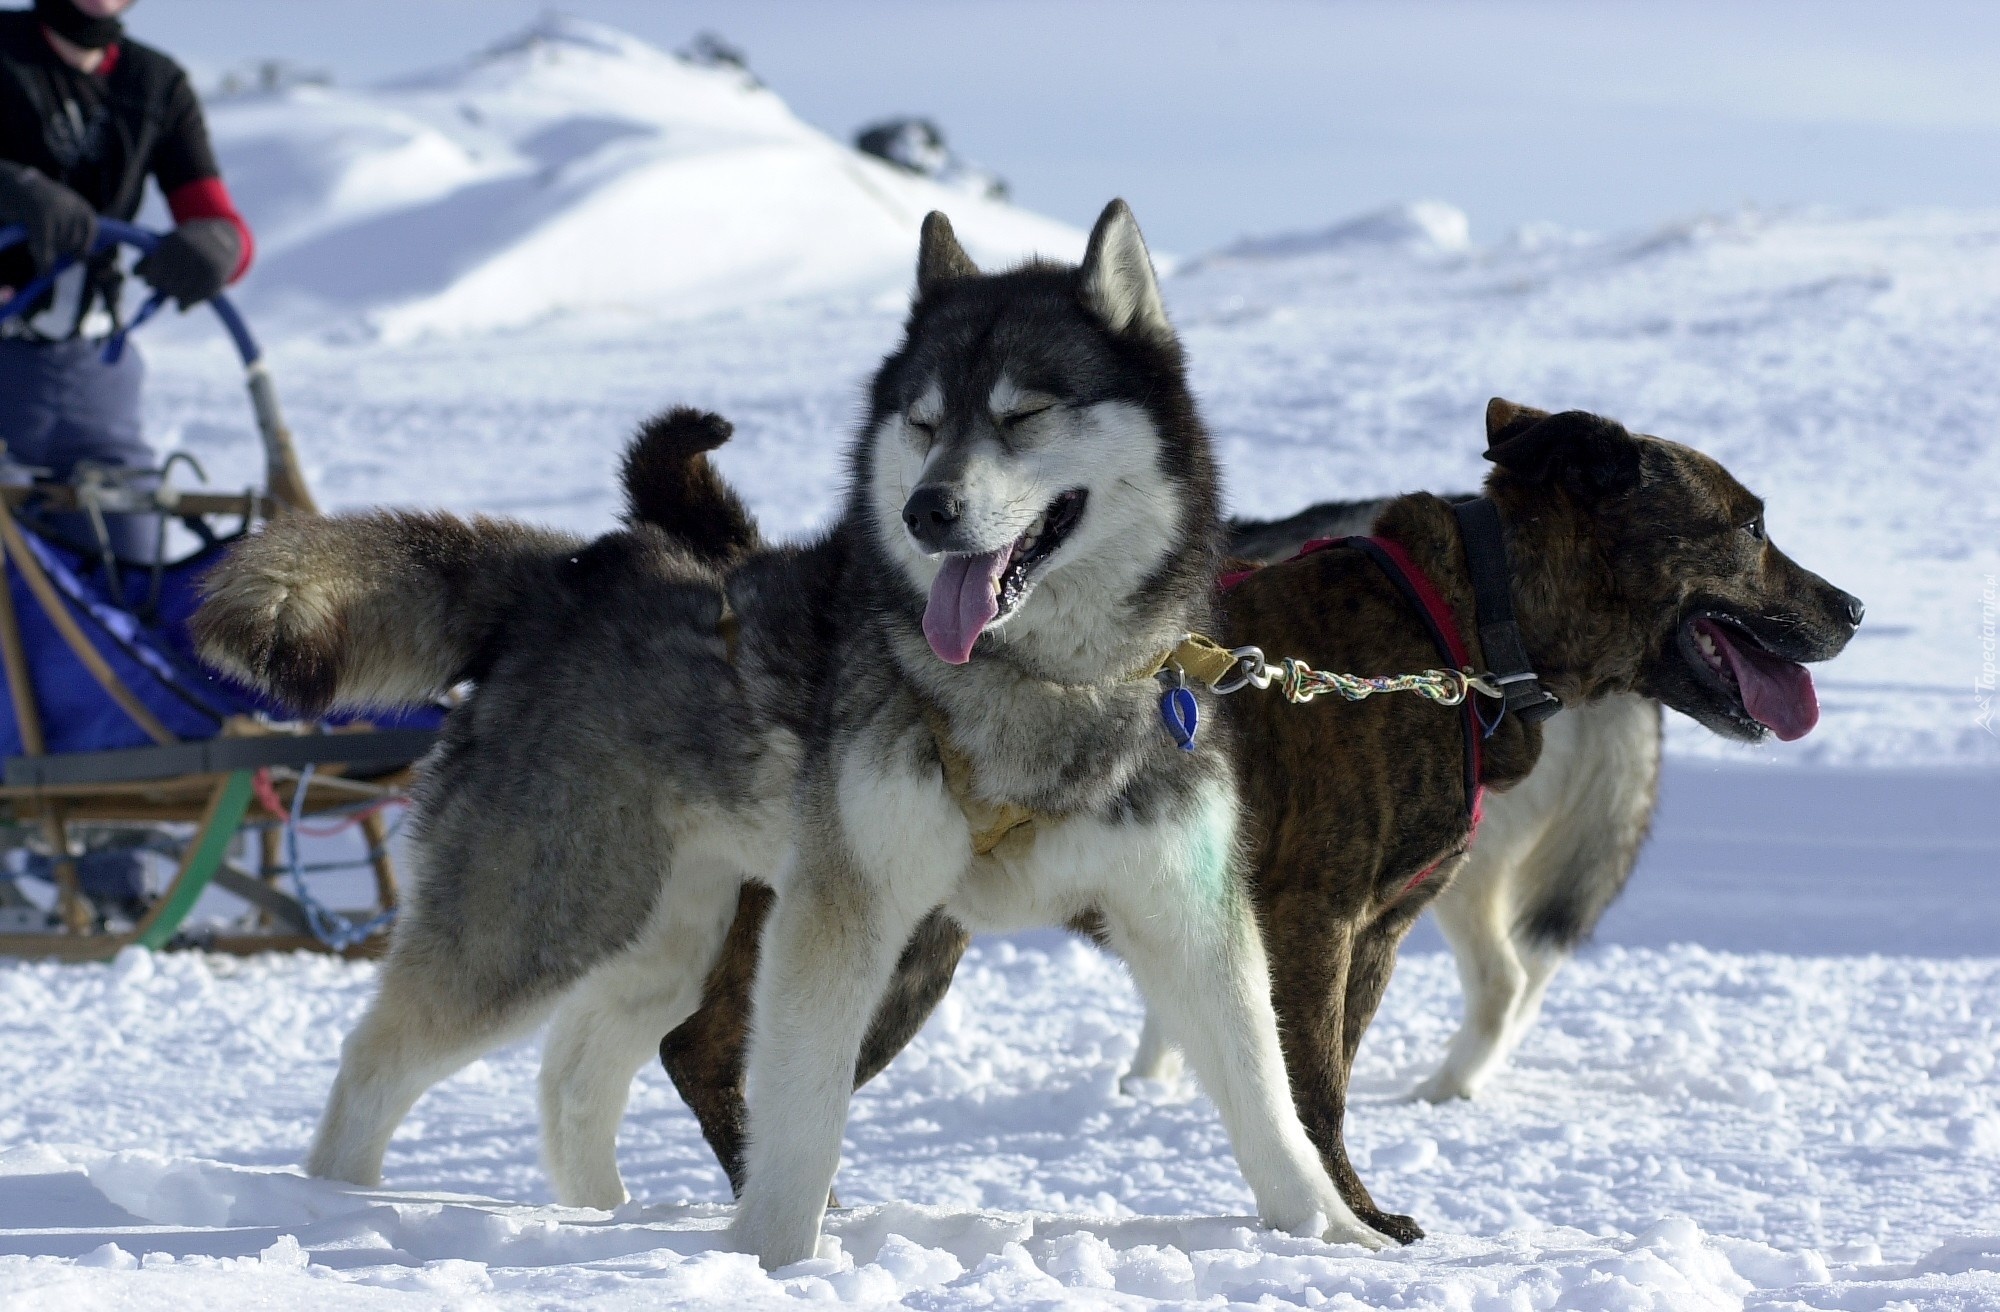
[192,262]
[60,223]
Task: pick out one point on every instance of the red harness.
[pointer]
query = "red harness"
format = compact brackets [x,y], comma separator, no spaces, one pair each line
[1418,589]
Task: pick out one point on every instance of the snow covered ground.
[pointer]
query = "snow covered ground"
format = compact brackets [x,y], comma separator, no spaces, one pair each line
[1738,1100]
[1686,1129]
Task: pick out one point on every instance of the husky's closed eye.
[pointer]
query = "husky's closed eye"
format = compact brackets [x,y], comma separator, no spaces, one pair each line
[1023,412]
[1009,403]
[922,419]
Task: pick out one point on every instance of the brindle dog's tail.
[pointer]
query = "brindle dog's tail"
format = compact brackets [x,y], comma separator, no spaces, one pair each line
[374,610]
[670,484]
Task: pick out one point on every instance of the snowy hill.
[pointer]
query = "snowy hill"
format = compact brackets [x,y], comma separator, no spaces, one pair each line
[571,168]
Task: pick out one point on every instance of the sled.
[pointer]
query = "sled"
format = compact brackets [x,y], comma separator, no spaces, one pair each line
[110,720]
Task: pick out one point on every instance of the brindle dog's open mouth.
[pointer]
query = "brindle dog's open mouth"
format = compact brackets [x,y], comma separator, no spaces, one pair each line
[1757,685]
[976,590]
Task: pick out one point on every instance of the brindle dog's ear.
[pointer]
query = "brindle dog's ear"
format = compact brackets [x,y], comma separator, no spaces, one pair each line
[940,258]
[1505,419]
[1592,455]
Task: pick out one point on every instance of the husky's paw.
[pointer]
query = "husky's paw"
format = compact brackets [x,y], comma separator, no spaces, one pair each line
[598,1197]
[772,1241]
[1446,1085]
[327,1162]
[1159,1093]
[1349,1229]
[1171,1088]
[1159,1071]
[1332,1222]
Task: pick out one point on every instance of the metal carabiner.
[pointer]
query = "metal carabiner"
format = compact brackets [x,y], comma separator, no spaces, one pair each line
[1251,671]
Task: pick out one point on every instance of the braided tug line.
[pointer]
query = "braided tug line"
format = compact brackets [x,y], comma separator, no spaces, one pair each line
[1300,683]
[1225,670]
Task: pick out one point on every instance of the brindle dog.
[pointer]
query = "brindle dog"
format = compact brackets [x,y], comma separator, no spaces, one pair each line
[1638,565]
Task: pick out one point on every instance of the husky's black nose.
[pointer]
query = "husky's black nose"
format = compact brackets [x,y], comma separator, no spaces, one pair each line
[1849,605]
[930,514]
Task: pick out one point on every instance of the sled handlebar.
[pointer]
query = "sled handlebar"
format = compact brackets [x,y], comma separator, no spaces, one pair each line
[111,233]
[283,478]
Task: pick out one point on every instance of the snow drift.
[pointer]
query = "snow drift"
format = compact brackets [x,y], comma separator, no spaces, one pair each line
[1423,227]
[572,168]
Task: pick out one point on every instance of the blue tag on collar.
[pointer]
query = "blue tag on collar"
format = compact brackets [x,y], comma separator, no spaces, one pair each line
[1181,715]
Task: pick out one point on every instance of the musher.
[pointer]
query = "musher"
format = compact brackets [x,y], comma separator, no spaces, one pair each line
[86,116]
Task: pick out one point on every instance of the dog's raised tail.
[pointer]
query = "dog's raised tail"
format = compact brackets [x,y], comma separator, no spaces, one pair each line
[370,611]
[670,484]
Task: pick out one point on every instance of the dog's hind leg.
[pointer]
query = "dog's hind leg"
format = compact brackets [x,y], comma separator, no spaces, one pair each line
[1477,921]
[412,1037]
[1542,965]
[1156,1059]
[610,1024]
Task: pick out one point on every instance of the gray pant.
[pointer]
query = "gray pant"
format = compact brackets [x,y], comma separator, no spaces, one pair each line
[61,404]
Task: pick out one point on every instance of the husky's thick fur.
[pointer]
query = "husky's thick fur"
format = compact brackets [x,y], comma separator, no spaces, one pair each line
[1549,859]
[1033,509]
[583,828]
[957,679]
[1640,569]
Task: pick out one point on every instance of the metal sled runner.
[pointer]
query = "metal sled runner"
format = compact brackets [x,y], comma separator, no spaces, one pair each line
[112,726]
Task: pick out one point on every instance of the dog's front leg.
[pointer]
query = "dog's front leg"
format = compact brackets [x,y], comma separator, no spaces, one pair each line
[876,853]
[1191,941]
[1315,979]
[1368,972]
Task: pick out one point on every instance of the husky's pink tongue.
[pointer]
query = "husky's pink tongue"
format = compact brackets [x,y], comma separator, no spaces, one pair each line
[963,602]
[1778,693]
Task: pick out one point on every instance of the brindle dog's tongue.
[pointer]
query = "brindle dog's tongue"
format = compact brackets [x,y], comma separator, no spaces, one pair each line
[1778,693]
[963,602]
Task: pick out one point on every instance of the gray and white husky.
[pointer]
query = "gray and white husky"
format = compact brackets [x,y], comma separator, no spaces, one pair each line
[1551,856]
[947,703]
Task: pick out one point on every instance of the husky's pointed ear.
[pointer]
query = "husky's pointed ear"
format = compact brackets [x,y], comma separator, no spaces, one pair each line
[1591,455]
[940,258]
[1116,280]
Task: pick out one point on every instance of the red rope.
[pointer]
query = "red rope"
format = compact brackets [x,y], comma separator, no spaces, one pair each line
[267,796]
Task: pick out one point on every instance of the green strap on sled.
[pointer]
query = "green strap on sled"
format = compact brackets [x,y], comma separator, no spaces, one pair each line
[211,845]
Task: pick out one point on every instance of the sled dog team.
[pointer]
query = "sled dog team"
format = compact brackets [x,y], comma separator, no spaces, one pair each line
[755,798]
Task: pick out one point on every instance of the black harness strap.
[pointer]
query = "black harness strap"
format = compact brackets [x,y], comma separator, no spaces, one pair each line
[1493,604]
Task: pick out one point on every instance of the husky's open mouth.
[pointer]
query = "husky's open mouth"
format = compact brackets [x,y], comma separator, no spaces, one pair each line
[1757,686]
[976,590]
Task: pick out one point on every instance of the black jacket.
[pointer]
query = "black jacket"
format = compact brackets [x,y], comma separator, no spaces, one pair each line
[100,134]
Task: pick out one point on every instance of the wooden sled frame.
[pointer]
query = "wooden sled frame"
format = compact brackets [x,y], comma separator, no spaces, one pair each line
[210,784]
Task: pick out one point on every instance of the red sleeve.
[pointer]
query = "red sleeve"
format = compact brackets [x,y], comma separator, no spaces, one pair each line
[208,198]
